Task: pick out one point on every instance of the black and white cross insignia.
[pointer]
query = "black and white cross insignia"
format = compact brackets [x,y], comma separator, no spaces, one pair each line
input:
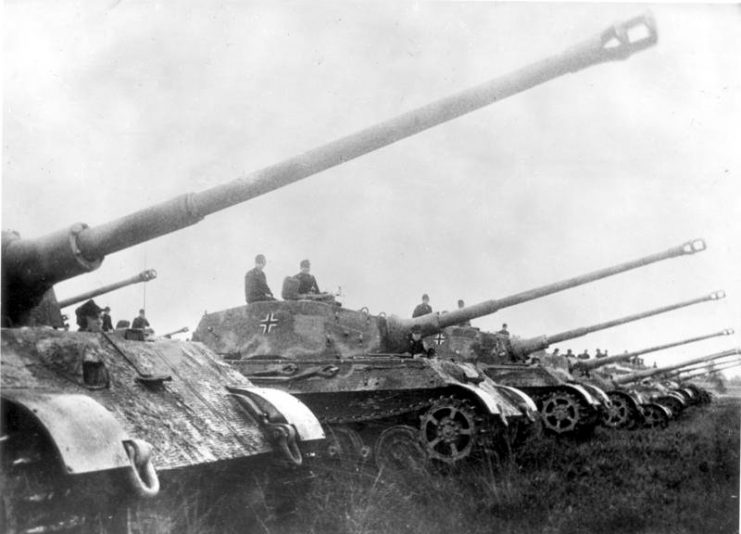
[440,339]
[267,324]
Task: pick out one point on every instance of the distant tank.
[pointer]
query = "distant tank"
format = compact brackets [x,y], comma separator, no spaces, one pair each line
[144,276]
[80,406]
[629,408]
[673,399]
[345,366]
[567,405]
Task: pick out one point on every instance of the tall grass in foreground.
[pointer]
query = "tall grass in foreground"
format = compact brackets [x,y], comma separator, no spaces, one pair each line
[680,480]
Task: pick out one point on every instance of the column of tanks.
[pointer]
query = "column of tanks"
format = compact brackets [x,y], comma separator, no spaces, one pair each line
[78,406]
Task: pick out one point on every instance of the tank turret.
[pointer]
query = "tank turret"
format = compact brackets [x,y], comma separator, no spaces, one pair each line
[31,267]
[522,347]
[648,373]
[144,276]
[588,365]
[309,329]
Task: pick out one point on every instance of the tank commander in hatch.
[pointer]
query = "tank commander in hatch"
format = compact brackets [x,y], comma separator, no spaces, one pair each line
[140,322]
[424,308]
[415,345]
[303,286]
[584,355]
[504,330]
[255,284]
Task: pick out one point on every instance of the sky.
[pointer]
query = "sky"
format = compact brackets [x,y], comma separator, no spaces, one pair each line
[111,107]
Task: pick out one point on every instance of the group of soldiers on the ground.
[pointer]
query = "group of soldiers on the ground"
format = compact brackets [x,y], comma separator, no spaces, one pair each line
[92,318]
[301,286]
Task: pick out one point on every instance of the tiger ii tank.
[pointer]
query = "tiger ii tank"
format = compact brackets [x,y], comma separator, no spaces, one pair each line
[567,404]
[346,365]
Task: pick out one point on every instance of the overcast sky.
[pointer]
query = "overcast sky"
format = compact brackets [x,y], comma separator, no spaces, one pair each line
[111,108]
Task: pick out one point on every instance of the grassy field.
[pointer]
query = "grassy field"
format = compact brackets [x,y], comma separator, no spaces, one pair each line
[680,480]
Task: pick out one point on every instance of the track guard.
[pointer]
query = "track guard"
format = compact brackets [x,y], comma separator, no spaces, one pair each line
[86,435]
[287,407]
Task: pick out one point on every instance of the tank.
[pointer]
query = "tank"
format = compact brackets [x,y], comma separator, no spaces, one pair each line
[567,405]
[674,400]
[81,407]
[144,276]
[346,366]
[629,408]
[583,367]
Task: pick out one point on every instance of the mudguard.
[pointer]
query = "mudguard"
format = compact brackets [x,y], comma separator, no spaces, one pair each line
[524,397]
[290,408]
[598,393]
[486,400]
[86,435]
[633,398]
[583,393]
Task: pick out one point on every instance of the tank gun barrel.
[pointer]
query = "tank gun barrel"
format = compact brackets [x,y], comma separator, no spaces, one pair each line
[178,331]
[708,371]
[523,347]
[703,366]
[435,322]
[633,377]
[588,365]
[32,267]
[144,276]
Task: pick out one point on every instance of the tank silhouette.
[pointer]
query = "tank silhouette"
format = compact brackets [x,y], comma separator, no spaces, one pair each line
[144,276]
[673,399]
[582,367]
[628,408]
[345,365]
[567,405]
[80,406]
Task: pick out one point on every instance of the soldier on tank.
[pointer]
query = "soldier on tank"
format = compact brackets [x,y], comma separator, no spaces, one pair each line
[599,354]
[140,322]
[415,345]
[584,355]
[504,331]
[423,308]
[255,283]
[106,318]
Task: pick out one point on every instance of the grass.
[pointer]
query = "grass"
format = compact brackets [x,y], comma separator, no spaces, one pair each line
[680,480]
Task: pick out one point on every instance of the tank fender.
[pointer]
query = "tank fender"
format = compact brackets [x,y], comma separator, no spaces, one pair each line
[87,436]
[284,405]
[486,400]
[598,393]
[529,402]
[581,392]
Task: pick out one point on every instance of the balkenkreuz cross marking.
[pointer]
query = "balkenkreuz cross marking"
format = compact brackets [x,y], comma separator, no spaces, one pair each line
[268,323]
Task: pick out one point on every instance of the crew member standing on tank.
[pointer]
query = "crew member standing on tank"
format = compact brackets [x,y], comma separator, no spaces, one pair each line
[255,284]
[504,331]
[424,308]
[306,282]
[140,322]
[107,321]
[415,345]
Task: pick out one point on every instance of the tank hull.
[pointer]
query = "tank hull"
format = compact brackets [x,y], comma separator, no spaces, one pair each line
[450,410]
[91,423]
